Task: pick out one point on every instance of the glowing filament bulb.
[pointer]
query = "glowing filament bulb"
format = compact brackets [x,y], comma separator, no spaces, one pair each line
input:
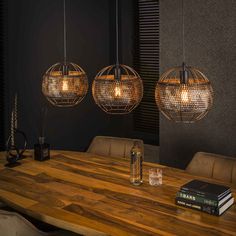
[184,95]
[117,90]
[65,86]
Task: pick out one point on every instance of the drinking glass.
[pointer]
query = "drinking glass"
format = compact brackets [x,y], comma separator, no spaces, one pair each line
[155,176]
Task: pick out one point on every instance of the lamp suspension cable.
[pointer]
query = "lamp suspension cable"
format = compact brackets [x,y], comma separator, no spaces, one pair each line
[183,42]
[64,24]
[117,34]
[117,89]
[183,93]
[59,86]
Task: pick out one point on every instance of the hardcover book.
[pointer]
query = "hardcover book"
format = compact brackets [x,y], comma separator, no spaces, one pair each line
[205,189]
[201,199]
[204,207]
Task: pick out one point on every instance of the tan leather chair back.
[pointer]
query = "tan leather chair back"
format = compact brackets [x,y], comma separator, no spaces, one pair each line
[12,223]
[213,166]
[113,146]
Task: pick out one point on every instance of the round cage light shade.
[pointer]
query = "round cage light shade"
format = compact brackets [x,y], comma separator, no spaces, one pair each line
[65,84]
[117,94]
[184,102]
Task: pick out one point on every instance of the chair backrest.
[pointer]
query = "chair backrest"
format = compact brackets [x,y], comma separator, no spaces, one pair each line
[113,146]
[213,166]
[12,223]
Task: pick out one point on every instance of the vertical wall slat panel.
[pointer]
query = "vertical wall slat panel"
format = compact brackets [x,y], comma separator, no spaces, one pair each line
[146,61]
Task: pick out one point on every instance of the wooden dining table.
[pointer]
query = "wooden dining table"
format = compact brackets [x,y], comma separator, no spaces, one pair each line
[91,195]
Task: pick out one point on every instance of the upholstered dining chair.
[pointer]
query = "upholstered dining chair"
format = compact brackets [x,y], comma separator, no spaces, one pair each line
[113,146]
[12,223]
[214,166]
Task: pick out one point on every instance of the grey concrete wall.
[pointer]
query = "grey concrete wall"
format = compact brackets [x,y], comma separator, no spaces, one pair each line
[210,43]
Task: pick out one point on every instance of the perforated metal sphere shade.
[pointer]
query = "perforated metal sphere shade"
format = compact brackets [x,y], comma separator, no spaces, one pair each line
[117,90]
[187,100]
[65,84]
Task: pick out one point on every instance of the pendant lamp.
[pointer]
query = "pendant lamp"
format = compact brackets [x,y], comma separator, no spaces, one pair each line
[65,84]
[183,93]
[117,89]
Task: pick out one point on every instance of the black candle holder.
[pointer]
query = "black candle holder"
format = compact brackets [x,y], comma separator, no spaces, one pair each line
[13,151]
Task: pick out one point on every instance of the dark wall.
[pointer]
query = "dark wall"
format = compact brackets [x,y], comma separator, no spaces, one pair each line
[35,42]
[2,73]
[210,34]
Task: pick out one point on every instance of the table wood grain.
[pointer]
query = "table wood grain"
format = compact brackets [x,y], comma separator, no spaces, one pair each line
[91,195]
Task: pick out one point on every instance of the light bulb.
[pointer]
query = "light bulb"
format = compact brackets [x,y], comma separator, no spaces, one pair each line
[117,90]
[65,86]
[184,95]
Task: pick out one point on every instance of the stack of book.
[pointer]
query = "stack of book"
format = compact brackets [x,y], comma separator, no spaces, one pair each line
[207,197]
